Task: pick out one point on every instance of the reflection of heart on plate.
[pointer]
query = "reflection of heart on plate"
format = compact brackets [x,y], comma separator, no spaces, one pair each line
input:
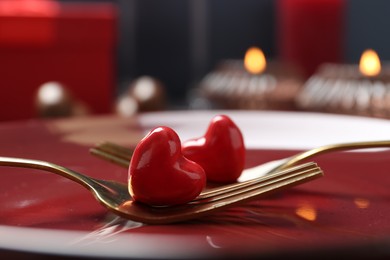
[348,208]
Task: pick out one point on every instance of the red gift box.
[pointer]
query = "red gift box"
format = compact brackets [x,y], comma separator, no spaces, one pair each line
[43,41]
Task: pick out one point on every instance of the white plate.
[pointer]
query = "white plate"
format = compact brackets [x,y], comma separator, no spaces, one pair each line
[277,130]
[261,130]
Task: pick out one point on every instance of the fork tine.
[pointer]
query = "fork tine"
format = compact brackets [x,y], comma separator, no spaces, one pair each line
[265,188]
[119,150]
[261,181]
[113,153]
[115,149]
[121,156]
[166,215]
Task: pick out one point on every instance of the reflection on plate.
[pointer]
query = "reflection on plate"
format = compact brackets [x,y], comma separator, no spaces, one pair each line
[348,207]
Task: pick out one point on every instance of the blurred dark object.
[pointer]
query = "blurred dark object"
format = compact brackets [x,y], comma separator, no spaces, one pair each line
[176,41]
[230,86]
[343,89]
[367,27]
[186,39]
[149,93]
[143,94]
[126,106]
[55,100]
[43,41]
[180,41]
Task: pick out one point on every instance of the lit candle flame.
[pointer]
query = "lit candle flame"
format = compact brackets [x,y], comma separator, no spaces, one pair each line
[370,64]
[255,61]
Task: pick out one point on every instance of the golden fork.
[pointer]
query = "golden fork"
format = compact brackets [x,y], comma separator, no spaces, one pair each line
[122,155]
[115,196]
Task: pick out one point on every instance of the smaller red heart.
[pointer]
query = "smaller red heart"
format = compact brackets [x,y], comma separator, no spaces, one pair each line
[160,175]
[221,151]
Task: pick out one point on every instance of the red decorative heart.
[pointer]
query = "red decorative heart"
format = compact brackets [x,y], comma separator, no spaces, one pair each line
[221,151]
[160,175]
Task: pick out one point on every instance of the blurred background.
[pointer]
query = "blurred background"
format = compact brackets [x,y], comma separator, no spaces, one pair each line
[68,58]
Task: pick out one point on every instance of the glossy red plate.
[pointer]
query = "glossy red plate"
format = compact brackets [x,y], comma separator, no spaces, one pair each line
[345,212]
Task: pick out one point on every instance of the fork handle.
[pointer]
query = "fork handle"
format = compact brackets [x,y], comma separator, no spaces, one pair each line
[332,148]
[87,182]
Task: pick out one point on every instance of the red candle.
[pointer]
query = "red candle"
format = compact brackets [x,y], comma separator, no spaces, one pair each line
[310,32]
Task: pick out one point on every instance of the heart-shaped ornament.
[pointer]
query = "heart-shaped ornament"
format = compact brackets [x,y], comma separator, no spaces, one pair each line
[160,175]
[221,151]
